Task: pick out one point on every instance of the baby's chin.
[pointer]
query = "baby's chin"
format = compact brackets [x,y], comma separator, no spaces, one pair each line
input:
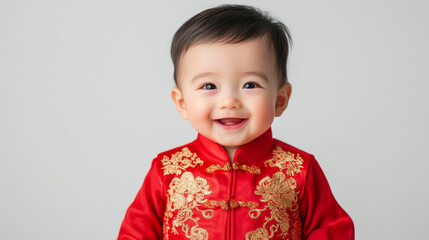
[230,139]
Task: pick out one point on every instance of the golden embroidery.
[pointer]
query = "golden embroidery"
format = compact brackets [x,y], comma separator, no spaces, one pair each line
[186,194]
[281,197]
[285,160]
[180,161]
[250,169]
[261,233]
[213,203]
[214,167]
[236,166]
[231,204]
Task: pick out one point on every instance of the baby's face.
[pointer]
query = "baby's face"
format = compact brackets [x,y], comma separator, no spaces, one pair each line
[230,92]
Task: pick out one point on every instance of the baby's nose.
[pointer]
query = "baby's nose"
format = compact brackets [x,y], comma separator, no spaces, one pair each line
[229,101]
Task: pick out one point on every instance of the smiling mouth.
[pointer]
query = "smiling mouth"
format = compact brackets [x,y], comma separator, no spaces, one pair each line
[230,122]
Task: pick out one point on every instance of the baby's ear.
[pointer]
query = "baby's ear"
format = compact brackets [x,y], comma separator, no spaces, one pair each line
[282,100]
[179,101]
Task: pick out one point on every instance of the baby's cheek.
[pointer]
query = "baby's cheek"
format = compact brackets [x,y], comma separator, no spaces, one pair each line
[200,110]
[264,107]
[268,113]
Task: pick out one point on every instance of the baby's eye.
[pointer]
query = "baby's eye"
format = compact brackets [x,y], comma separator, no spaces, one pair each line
[209,86]
[251,85]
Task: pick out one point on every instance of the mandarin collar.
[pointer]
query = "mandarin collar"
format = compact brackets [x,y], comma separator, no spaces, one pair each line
[254,151]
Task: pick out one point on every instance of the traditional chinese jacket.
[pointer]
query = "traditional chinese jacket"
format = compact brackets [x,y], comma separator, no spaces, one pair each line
[270,191]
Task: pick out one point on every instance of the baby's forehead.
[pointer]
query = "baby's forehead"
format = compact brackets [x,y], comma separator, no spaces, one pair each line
[228,47]
[263,41]
[254,48]
[220,58]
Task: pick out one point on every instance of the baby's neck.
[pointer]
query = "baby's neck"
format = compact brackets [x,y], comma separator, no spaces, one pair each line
[231,152]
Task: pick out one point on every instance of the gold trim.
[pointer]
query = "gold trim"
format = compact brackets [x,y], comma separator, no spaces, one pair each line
[214,167]
[230,204]
[235,166]
[244,167]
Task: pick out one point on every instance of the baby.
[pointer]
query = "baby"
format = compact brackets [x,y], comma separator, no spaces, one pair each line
[234,181]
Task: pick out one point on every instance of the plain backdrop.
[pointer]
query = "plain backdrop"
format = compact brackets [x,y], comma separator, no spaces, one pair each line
[85,106]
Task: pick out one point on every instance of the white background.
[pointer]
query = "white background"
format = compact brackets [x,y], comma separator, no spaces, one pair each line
[85,106]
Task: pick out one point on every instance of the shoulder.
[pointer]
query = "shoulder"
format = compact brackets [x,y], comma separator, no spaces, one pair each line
[289,148]
[188,148]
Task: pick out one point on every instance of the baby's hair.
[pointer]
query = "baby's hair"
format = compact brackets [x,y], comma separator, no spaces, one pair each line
[232,24]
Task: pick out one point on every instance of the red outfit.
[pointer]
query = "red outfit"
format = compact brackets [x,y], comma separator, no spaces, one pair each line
[270,191]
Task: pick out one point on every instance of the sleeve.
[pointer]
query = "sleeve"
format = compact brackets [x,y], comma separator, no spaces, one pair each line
[143,219]
[322,217]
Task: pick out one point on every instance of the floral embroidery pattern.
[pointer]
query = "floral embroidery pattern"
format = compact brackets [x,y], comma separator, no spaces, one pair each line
[279,192]
[230,204]
[235,166]
[186,194]
[180,161]
[285,160]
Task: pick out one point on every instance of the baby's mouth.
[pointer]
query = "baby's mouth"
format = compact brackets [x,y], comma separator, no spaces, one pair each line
[230,121]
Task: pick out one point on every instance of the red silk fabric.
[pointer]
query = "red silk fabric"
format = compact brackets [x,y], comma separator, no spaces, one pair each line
[270,191]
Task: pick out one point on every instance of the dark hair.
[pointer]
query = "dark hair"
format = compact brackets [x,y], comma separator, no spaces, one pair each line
[232,24]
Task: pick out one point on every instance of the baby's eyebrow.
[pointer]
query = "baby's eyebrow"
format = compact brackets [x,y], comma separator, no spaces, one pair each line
[256,73]
[203,74]
[211,74]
